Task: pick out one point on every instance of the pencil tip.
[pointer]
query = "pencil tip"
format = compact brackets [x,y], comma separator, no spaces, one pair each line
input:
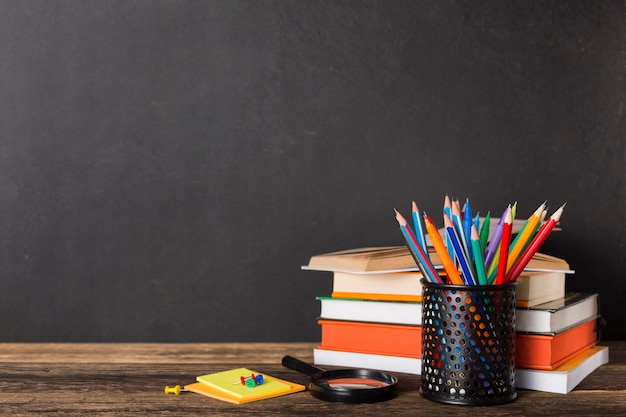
[557,214]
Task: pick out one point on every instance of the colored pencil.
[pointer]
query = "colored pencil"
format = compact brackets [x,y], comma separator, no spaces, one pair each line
[523,237]
[423,263]
[467,227]
[461,255]
[418,226]
[478,257]
[447,205]
[537,226]
[476,223]
[444,257]
[493,268]
[494,242]
[457,221]
[534,245]
[484,232]
[504,248]
[447,209]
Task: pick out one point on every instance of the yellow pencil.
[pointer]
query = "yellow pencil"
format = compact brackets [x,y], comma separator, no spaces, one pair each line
[444,257]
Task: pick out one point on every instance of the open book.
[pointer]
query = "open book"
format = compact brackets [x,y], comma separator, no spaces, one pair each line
[398,259]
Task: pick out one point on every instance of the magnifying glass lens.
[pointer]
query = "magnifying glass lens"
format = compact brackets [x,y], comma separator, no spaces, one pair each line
[353,383]
[353,386]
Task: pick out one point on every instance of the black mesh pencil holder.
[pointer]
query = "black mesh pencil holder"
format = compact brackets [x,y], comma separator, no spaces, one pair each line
[468,343]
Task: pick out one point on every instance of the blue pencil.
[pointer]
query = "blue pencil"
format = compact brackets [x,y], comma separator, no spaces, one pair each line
[457,223]
[447,209]
[426,267]
[467,226]
[418,225]
[461,255]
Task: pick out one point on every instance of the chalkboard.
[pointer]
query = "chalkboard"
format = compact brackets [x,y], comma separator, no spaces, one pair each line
[166,167]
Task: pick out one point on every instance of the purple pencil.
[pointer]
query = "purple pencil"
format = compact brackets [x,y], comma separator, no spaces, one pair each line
[492,247]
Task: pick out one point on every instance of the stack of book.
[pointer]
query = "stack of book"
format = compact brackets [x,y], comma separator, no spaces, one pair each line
[372,319]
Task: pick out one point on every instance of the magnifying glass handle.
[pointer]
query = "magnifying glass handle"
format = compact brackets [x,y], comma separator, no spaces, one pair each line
[302,367]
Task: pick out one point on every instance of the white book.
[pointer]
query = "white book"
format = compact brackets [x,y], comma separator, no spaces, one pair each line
[350,309]
[557,315]
[566,377]
[560,380]
[551,317]
[367,361]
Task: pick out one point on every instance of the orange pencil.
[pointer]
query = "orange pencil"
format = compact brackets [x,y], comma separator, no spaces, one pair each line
[444,257]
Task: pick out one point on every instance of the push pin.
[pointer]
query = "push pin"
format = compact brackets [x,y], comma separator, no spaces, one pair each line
[252,380]
[175,390]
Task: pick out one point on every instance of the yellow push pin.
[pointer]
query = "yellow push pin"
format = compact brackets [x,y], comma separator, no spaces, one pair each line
[175,390]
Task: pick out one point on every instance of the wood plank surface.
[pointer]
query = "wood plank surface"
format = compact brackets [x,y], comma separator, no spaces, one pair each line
[128,380]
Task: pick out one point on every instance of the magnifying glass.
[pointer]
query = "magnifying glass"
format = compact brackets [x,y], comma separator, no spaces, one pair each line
[346,385]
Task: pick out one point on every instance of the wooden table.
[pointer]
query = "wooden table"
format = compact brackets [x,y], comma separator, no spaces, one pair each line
[128,380]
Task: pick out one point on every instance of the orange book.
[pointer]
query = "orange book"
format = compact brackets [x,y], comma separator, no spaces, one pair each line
[549,350]
[373,338]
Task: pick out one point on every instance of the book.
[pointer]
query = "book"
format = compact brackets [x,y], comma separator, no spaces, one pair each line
[350,309]
[227,386]
[392,286]
[533,350]
[557,315]
[551,317]
[374,338]
[533,288]
[550,350]
[370,259]
[398,259]
[566,377]
[390,363]
[560,380]
[382,258]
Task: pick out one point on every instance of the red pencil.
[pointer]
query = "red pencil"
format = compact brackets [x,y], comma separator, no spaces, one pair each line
[534,245]
[505,241]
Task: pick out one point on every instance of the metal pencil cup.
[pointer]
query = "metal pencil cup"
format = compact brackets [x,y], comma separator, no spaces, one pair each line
[468,343]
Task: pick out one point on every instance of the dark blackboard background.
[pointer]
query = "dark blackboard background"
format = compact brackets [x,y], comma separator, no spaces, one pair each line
[166,167]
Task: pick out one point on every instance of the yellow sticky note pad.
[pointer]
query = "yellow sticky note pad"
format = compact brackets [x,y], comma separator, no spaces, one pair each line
[226,386]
